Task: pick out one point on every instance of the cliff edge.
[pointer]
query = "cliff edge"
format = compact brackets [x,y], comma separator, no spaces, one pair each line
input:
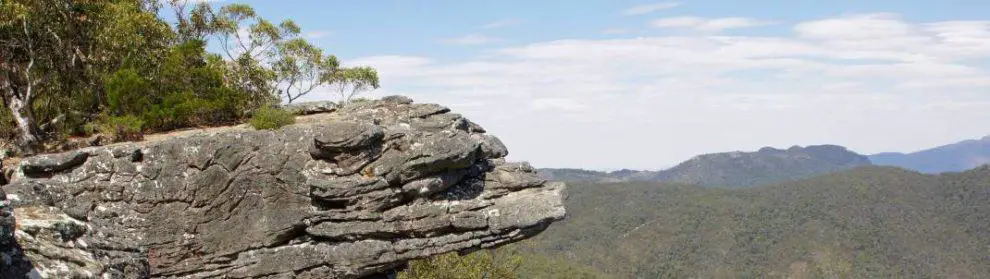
[347,194]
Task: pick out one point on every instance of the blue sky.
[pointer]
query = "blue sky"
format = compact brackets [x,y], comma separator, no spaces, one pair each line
[364,28]
[639,84]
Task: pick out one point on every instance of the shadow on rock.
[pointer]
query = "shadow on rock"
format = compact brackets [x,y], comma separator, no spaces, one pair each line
[13,263]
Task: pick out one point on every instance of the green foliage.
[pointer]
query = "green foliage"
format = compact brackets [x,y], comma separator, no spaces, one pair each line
[352,81]
[273,59]
[271,118]
[121,128]
[73,61]
[58,51]
[193,23]
[481,264]
[864,223]
[127,92]
[504,262]
[187,89]
[251,52]
[7,128]
[549,267]
[191,90]
[301,67]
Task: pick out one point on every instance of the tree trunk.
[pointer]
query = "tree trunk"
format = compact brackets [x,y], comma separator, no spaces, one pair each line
[24,116]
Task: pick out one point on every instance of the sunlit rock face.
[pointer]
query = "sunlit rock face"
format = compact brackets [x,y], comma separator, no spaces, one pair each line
[347,194]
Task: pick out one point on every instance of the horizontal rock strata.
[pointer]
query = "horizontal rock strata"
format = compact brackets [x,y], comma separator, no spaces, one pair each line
[351,194]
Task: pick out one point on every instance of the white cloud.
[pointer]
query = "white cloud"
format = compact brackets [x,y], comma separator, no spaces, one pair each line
[653,101]
[650,8]
[558,104]
[855,27]
[392,63]
[501,23]
[472,39]
[708,24]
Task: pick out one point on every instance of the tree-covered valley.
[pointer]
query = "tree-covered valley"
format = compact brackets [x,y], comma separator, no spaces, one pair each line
[871,222]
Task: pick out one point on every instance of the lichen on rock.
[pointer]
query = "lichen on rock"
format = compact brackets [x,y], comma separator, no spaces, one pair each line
[359,192]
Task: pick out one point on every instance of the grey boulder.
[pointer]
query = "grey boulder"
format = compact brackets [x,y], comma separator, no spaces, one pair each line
[313,107]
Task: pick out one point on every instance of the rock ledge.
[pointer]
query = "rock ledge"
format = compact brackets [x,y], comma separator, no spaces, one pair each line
[360,192]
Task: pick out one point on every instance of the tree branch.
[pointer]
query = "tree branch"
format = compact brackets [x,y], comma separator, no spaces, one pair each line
[4,78]
[28,92]
[226,46]
[237,34]
[288,89]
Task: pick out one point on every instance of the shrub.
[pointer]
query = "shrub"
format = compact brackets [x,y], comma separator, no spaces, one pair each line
[271,118]
[7,127]
[127,92]
[121,128]
[187,89]
[480,264]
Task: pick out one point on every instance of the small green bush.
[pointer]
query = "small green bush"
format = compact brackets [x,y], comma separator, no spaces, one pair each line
[7,127]
[480,264]
[127,92]
[122,128]
[271,118]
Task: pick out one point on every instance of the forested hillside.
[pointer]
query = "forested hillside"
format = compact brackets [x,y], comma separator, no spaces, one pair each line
[870,222]
[503,263]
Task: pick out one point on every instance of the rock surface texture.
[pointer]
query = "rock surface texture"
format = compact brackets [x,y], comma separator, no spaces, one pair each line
[350,194]
[313,107]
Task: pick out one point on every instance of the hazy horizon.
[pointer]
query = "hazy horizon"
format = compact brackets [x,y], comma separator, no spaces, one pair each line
[645,85]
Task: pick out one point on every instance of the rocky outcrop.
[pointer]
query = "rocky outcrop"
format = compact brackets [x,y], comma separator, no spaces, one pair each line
[349,194]
[312,107]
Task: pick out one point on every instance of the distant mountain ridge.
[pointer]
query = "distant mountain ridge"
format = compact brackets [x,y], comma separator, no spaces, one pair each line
[956,157]
[766,166]
[733,169]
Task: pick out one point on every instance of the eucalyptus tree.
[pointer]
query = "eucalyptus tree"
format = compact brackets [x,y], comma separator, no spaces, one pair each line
[78,61]
[348,82]
[300,68]
[272,58]
[250,43]
[194,20]
[55,51]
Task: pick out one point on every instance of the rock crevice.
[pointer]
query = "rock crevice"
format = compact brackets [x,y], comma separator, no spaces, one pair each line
[357,192]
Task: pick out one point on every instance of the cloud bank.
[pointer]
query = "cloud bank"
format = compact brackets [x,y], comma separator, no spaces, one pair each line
[873,82]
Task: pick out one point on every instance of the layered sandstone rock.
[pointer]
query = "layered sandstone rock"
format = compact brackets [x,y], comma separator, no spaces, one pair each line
[347,194]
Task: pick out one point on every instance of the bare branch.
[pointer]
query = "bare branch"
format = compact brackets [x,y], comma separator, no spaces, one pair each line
[264,48]
[237,34]
[288,90]
[54,35]
[179,6]
[226,46]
